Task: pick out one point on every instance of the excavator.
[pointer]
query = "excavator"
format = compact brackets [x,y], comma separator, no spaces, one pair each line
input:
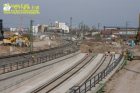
[10,40]
[17,40]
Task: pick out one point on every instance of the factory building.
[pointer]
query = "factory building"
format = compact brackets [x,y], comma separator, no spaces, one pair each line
[62,27]
[39,29]
[122,32]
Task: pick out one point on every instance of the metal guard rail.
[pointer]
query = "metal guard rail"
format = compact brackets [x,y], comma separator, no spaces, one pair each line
[33,52]
[96,79]
[6,68]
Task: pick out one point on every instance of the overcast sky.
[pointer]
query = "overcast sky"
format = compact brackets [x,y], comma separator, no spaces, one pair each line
[90,12]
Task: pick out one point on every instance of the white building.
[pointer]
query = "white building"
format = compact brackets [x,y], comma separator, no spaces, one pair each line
[13,29]
[39,28]
[62,26]
[35,30]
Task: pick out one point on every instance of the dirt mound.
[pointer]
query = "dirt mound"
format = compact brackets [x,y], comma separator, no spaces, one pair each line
[97,47]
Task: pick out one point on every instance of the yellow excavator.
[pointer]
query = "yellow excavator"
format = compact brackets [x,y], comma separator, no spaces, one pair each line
[17,40]
[10,40]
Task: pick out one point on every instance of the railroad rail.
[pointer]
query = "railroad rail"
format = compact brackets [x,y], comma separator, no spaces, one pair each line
[64,76]
[90,83]
[21,61]
[105,62]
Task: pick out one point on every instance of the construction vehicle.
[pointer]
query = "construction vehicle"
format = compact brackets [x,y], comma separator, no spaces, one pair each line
[17,40]
[10,40]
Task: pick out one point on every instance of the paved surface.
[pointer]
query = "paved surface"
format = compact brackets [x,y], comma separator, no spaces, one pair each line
[125,81]
[77,78]
[41,78]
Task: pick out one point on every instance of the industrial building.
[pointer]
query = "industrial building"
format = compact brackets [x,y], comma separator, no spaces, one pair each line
[39,29]
[57,26]
[122,32]
[62,27]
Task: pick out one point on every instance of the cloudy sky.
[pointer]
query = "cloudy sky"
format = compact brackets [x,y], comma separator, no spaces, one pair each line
[90,12]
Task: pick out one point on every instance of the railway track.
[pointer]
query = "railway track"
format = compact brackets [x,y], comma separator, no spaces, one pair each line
[34,53]
[105,62]
[64,76]
[20,61]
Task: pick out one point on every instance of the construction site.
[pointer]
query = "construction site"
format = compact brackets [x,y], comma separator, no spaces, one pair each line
[59,57]
[16,43]
[25,57]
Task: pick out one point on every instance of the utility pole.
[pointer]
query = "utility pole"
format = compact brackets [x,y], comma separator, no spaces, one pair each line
[31,36]
[139,23]
[98,26]
[71,27]
[70,23]
[126,30]
[21,21]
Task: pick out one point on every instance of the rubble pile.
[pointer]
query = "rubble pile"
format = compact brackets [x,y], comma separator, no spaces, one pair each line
[98,47]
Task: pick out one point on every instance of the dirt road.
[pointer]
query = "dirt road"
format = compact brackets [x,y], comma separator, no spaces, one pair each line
[126,80]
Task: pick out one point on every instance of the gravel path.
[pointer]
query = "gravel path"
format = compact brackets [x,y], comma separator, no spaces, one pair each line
[126,80]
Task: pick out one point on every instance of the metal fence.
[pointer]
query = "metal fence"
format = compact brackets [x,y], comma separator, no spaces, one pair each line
[9,67]
[31,61]
[96,79]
